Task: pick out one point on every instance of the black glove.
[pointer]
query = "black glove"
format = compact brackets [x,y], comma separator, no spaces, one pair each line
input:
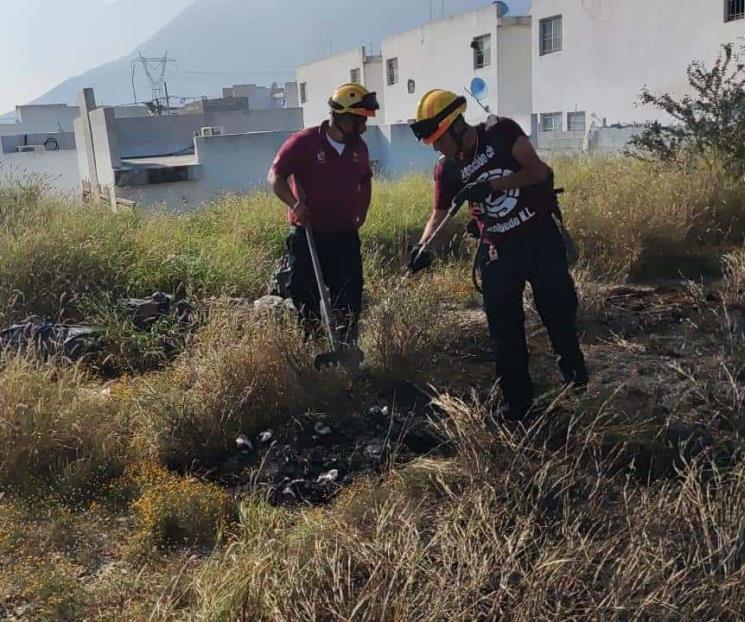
[476,192]
[419,261]
[472,229]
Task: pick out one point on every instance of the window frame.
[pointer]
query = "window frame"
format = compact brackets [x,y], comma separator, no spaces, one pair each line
[391,71]
[554,116]
[573,115]
[543,47]
[479,49]
[734,10]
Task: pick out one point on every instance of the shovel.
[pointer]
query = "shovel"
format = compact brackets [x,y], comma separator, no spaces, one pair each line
[340,355]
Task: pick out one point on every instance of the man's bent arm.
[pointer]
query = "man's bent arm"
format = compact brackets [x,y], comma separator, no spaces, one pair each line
[533,170]
[281,188]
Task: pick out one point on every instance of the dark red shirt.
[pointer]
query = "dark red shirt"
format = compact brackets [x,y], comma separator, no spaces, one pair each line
[337,187]
[504,214]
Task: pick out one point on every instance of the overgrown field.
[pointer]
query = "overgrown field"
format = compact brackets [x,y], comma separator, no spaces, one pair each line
[124,496]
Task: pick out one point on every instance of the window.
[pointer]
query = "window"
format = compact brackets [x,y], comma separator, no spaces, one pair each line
[354,76]
[303,92]
[734,9]
[551,122]
[391,71]
[411,87]
[550,35]
[576,121]
[481,51]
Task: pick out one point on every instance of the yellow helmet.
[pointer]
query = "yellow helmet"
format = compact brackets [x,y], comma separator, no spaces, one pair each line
[436,112]
[353,98]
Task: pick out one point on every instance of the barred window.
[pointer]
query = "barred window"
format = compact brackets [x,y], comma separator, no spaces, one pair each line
[391,67]
[551,35]
[481,51]
[551,122]
[576,121]
[734,9]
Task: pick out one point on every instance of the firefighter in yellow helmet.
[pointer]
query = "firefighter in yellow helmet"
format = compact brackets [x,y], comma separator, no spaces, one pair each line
[510,192]
[323,175]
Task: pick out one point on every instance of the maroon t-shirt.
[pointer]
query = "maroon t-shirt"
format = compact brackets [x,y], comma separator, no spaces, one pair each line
[337,187]
[504,214]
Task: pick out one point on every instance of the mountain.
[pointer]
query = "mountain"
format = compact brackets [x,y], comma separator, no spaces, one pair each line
[220,42]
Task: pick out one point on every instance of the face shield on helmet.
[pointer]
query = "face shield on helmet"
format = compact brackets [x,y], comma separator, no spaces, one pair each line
[354,99]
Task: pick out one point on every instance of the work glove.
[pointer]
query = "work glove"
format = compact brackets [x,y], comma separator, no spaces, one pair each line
[476,192]
[472,229]
[419,262]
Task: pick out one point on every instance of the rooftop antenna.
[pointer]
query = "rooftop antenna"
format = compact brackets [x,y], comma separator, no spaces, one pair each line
[155,70]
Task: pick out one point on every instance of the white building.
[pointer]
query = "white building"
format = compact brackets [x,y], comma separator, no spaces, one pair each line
[318,80]
[448,54]
[442,54]
[265,97]
[591,58]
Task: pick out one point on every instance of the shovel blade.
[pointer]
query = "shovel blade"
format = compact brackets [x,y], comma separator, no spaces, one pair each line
[349,358]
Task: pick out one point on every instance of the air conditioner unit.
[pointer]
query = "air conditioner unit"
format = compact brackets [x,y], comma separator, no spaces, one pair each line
[211,131]
[30,148]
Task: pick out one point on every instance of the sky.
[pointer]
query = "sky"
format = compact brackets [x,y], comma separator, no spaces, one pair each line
[43,42]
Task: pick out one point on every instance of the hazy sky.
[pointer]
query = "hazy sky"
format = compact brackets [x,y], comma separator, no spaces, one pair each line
[43,42]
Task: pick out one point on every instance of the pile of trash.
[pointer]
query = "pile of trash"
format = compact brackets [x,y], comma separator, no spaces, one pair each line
[49,339]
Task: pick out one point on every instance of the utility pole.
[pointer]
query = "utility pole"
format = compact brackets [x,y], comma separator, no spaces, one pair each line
[155,70]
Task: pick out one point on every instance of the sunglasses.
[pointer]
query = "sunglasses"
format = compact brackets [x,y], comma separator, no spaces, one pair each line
[426,127]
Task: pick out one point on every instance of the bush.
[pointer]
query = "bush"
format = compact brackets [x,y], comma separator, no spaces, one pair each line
[58,433]
[177,511]
[710,123]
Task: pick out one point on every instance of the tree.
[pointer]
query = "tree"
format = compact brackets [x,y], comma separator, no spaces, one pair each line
[711,121]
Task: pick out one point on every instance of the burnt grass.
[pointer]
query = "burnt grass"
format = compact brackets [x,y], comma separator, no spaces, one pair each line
[655,353]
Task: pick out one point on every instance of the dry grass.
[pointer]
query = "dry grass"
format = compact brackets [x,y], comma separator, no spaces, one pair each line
[245,370]
[59,432]
[625,504]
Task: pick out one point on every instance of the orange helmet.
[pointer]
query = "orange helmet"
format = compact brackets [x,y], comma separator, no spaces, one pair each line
[436,112]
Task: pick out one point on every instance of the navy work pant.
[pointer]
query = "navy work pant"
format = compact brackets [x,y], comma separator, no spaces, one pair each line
[539,258]
[341,264]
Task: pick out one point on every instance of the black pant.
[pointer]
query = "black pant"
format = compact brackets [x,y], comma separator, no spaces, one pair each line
[539,258]
[341,264]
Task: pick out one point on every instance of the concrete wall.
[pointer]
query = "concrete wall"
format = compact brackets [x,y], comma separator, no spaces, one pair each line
[515,70]
[81,152]
[611,49]
[46,118]
[10,144]
[396,152]
[106,148]
[439,55]
[322,77]
[595,141]
[232,164]
[374,80]
[292,96]
[152,136]
[57,170]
